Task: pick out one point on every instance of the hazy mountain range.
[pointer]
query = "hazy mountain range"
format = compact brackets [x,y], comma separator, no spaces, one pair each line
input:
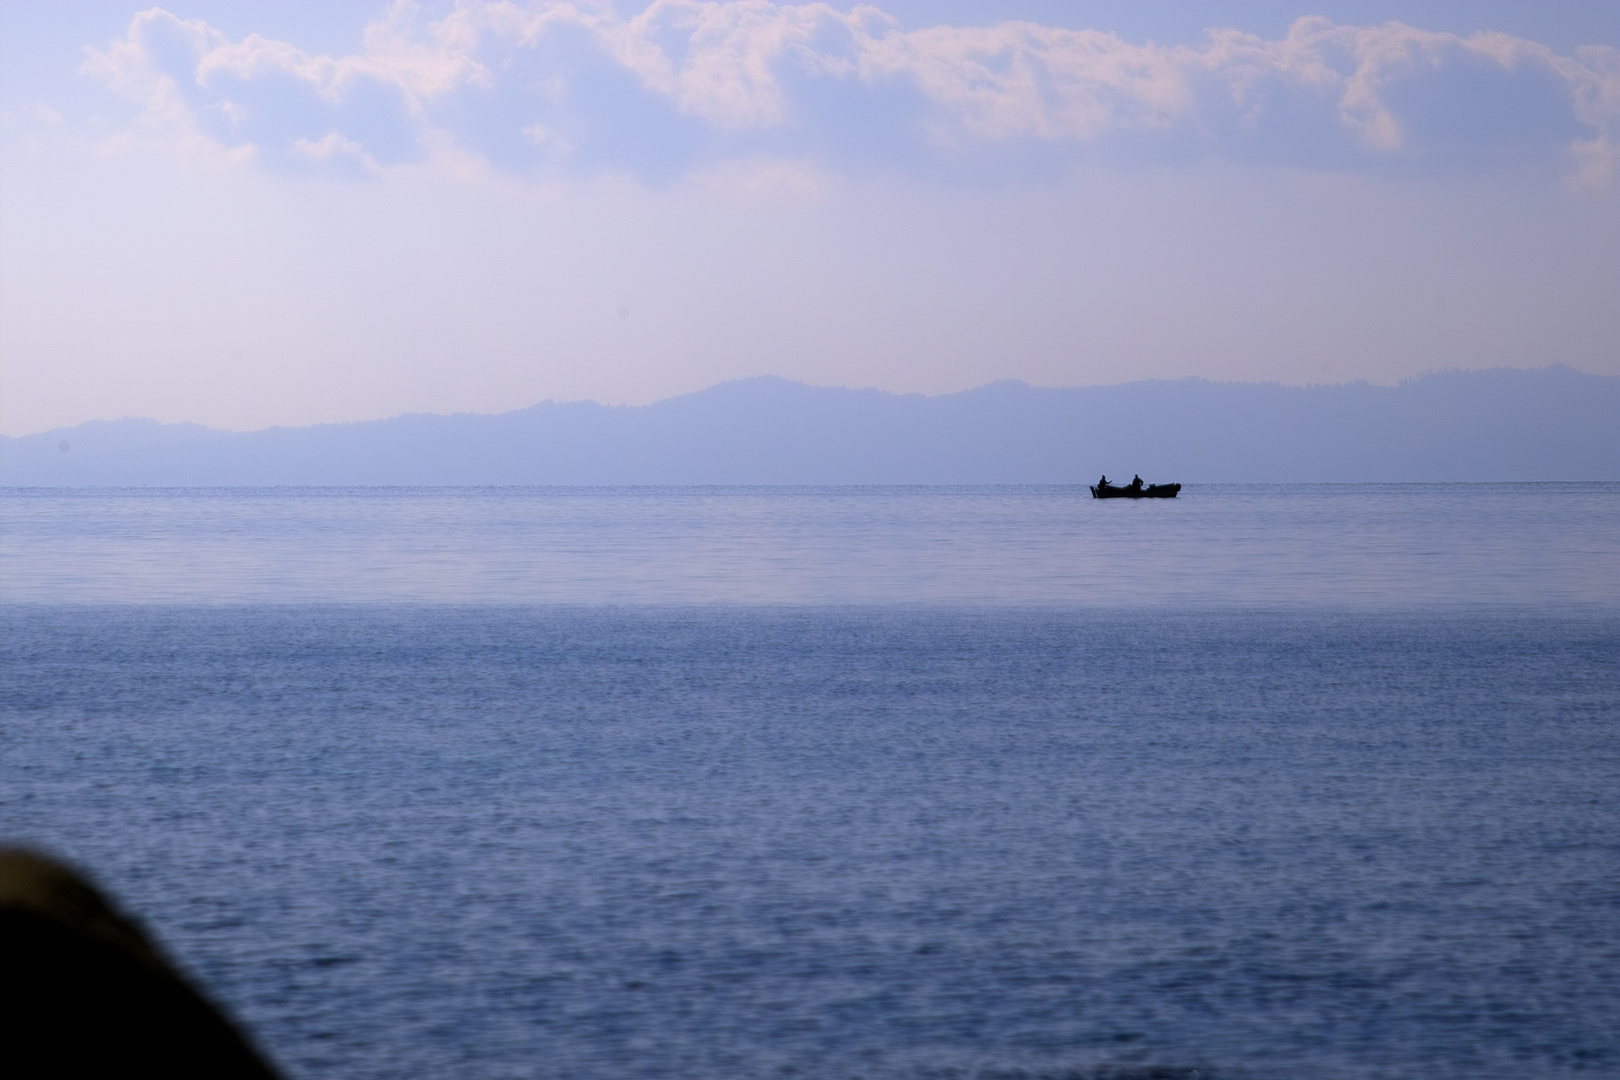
[1506,424]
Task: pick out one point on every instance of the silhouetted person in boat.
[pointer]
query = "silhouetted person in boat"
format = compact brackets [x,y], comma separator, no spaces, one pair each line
[1103,482]
[1136,484]
[83,992]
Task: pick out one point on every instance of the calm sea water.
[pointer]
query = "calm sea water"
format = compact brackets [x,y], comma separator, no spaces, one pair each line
[1368,545]
[945,784]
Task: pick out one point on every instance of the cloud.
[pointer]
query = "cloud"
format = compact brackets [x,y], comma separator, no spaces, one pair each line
[682,84]
[1595,78]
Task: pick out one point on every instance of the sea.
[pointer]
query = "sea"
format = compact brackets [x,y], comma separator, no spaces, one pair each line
[982,783]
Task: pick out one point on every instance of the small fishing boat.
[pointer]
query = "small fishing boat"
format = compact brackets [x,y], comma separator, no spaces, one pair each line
[1133,490]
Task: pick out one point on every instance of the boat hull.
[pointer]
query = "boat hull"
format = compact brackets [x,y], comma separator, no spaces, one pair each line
[1152,491]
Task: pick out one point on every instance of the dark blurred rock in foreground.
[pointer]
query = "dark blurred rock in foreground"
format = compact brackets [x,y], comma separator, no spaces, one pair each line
[83,992]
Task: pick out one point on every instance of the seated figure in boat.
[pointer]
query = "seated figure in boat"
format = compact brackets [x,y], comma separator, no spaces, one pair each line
[1136,489]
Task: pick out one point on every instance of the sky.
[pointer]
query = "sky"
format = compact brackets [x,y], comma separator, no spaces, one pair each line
[251,214]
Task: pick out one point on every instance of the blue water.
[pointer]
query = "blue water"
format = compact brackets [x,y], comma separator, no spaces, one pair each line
[1320,546]
[946,784]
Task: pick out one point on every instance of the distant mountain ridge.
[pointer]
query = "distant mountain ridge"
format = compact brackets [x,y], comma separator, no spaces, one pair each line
[1505,424]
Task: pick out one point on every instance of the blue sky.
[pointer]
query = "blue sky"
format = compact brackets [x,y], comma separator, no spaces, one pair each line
[248,214]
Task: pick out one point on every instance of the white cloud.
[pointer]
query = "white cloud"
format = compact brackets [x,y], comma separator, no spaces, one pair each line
[1023,79]
[1594,78]
[333,146]
[130,67]
[737,66]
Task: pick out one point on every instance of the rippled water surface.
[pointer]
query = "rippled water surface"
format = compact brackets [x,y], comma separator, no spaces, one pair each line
[1307,545]
[954,785]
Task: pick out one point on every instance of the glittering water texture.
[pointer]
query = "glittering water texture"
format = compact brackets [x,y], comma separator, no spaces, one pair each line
[881,842]
[937,784]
